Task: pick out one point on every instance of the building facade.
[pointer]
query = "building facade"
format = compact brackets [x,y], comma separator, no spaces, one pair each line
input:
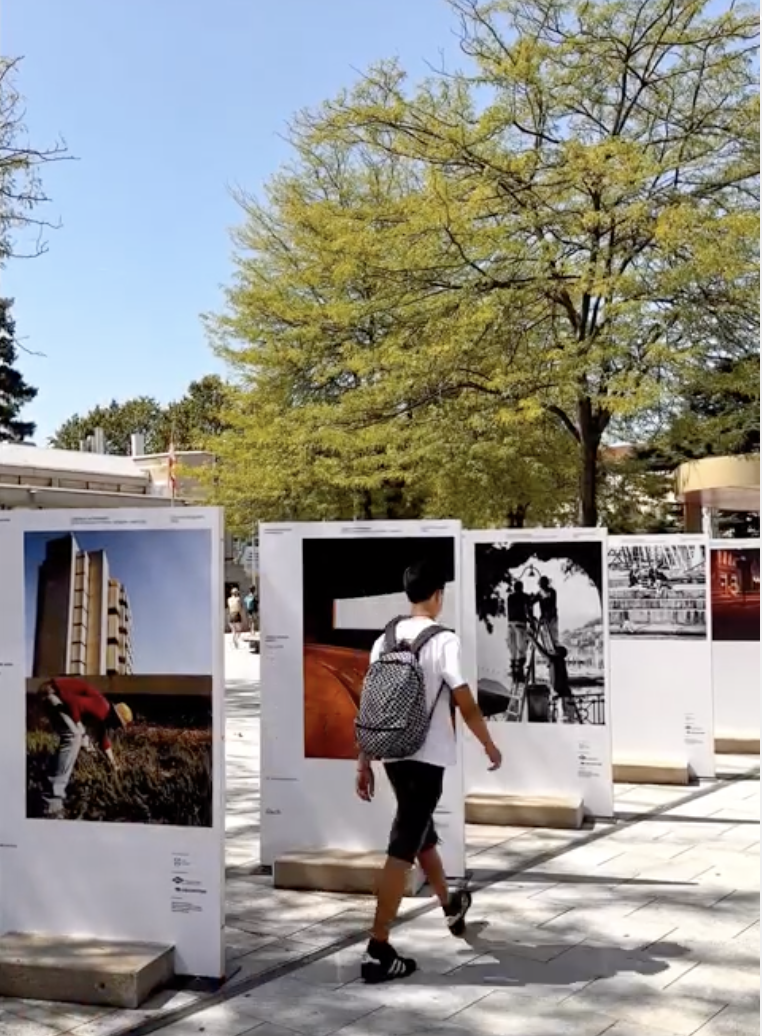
[83,624]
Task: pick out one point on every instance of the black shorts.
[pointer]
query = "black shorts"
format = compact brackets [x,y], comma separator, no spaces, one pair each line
[418,789]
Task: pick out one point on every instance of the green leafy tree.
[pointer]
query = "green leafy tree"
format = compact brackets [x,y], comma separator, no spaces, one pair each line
[188,423]
[118,422]
[312,336]
[15,392]
[581,238]
[199,416]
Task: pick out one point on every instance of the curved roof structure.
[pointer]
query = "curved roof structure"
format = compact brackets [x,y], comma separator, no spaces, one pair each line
[720,483]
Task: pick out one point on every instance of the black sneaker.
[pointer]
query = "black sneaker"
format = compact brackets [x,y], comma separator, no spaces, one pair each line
[382,963]
[456,910]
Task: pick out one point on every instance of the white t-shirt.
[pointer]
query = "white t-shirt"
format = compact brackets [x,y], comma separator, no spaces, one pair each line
[440,661]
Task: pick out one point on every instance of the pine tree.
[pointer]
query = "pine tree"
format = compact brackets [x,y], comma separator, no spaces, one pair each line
[15,393]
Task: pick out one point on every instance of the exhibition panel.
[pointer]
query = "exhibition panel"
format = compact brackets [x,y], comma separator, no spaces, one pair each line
[327,592]
[111,748]
[535,647]
[661,671]
[735,638]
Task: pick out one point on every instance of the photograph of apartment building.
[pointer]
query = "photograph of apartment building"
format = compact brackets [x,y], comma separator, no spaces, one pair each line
[83,621]
[120,643]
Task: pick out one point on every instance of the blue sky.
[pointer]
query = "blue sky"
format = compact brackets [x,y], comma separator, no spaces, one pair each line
[166,105]
[167,576]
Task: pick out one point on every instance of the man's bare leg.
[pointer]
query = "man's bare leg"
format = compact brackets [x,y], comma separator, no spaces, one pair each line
[431,863]
[391,889]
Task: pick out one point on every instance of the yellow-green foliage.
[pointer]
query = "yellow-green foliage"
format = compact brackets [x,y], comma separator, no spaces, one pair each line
[455,291]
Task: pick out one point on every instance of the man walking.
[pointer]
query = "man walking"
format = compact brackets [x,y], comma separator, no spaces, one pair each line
[417,781]
[71,703]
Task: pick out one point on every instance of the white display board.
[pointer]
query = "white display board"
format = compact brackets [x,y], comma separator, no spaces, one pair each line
[661,669]
[327,590]
[114,619]
[552,744]
[735,637]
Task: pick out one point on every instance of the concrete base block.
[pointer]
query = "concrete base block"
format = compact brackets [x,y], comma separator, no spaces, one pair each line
[336,870]
[563,811]
[728,744]
[82,971]
[654,772]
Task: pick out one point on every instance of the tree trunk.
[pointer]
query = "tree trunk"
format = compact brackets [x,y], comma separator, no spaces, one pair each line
[367,505]
[590,432]
[516,516]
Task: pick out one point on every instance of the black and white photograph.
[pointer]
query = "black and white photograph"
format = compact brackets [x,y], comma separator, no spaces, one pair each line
[540,643]
[657,591]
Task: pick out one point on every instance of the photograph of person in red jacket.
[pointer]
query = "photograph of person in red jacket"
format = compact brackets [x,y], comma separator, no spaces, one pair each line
[121,631]
[83,719]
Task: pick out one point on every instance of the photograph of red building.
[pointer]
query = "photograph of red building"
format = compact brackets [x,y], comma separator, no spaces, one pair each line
[735,593]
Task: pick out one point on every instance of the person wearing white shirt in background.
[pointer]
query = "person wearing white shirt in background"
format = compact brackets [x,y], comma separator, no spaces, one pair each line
[235,614]
[417,781]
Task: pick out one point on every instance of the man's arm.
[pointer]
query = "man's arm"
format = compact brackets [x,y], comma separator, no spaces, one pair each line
[465,701]
[474,720]
[365,780]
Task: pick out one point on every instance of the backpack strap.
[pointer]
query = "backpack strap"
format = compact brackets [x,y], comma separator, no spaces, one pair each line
[425,636]
[390,635]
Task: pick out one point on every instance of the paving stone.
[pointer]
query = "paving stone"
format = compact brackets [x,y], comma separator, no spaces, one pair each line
[324,933]
[437,997]
[221,1020]
[552,980]
[635,1000]
[730,982]
[238,943]
[13,1025]
[632,1029]
[282,951]
[314,1013]
[108,1026]
[733,1021]
[687,920]
[394,1021]
[511,1014]
[332,972]
[269,1029]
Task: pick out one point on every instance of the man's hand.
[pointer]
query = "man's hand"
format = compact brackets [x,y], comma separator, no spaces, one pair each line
[87,743]
[494,755]
[365,783]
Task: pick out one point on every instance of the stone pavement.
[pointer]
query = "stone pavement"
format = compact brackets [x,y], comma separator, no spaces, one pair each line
[640,928]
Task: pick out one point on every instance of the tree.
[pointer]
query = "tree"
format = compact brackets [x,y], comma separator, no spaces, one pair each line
[188,423]
[21,191]
[15,393]
[118,421]
[198,416]
[582,239]
[311,336]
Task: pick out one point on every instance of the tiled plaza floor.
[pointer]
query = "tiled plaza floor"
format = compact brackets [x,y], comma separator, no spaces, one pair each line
[648,928]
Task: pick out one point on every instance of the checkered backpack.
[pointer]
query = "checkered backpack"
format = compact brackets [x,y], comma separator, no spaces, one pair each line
[394,717]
